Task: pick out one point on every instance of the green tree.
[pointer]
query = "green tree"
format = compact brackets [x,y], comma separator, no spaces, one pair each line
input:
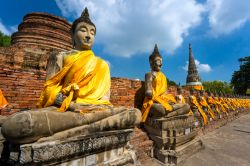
[218,86]
[171,83]
[241,79]
[4,40]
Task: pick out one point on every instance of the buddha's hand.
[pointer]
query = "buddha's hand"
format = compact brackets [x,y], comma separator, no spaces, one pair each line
[59,99]
[149,94]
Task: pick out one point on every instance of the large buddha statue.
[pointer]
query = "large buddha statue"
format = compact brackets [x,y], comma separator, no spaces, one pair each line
[75,98]
[157,102]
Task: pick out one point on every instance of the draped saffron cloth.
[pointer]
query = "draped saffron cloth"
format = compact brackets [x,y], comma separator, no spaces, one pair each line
[203,103]
[203,114]
[84,78]
[159,87]
[3,101]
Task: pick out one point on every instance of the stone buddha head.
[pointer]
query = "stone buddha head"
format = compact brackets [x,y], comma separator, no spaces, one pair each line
[83,32]
[155,60]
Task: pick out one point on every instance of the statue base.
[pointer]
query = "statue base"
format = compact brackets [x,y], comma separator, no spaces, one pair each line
[174,138]
[181,153]
[101,148]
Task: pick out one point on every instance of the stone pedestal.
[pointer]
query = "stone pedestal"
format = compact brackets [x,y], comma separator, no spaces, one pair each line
[174,138]
[101,148]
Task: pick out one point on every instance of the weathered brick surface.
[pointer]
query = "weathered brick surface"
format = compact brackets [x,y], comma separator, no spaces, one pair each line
[43,29]
[21,87]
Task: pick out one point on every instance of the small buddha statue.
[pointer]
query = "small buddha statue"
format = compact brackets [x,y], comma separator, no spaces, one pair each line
[75,98]
[229,101]
[223,101]
[212,103]
[218,101]
[196,108]
[157,102]
[205,106]
[179,96]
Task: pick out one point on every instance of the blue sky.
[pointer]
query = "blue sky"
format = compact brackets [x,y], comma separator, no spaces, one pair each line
[219,31]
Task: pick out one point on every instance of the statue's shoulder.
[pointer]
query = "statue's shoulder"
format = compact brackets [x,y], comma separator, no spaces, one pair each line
[66,53]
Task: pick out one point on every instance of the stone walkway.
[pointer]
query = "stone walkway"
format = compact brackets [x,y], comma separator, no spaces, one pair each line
[226,146]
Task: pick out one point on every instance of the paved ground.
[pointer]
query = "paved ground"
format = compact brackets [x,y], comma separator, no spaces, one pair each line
[226,146]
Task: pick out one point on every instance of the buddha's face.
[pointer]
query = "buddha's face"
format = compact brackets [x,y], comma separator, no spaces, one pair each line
[156,64]
[84,36]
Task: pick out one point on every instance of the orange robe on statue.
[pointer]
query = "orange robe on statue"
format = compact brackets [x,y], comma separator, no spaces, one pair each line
[159,86]
[3,101]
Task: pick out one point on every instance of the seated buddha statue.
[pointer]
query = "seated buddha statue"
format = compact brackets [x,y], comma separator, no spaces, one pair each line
[75,94]
[222,99]
[196,107]
[213,105]
[157,102]
[180,98]
[218,102]
[205,106]
[229,102]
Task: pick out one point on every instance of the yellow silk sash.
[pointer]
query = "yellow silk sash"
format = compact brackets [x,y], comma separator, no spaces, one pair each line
[3,101]
[203,103]
[159,86]
[203,114]
[84,78]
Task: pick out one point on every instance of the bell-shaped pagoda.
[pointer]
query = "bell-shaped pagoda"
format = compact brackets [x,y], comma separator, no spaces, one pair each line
[193,78]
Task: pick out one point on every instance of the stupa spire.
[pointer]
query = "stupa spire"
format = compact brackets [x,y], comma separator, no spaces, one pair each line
[193,77]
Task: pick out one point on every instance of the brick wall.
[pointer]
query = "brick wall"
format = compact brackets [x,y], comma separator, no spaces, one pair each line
[21,87]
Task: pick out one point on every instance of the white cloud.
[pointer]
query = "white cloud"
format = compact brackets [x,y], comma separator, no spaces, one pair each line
[127,27]
[3,29]
[7,30]
[227,15]
[202,68]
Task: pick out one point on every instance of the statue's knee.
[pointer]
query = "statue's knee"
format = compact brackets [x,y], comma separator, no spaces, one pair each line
[186,107]
[17,126]
[158,110]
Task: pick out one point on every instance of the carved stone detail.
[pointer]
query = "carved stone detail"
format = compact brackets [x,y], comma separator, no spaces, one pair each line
[67,150]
